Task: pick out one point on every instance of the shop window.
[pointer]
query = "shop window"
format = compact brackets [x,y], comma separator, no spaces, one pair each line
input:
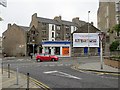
[57,50]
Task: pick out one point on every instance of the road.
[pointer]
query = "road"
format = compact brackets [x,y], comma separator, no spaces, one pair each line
[61,75]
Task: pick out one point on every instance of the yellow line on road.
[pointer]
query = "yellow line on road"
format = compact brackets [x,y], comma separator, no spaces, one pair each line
[40,84]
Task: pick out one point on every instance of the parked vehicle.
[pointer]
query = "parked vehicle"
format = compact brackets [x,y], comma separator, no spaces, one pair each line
[46,57]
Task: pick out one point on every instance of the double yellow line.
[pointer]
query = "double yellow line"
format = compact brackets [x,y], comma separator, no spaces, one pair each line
[43,86]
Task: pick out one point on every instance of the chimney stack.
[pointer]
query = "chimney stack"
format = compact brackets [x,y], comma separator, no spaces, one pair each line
[58,18]
[92,23]
[9,25]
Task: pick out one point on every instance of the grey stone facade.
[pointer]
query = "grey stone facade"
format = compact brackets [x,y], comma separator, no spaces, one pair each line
[108,15]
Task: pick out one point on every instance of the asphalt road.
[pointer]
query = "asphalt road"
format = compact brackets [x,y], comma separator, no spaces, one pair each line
[60,74]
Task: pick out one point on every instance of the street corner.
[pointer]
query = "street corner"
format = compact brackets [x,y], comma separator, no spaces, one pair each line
[78,67]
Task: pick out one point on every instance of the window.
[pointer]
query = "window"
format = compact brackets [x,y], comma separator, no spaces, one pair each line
[53,40]
[52,27]
[67,28]
[58,27]
[44,39]
[58,34]
[67,35]
[44,32]
[52,34]
[44,26]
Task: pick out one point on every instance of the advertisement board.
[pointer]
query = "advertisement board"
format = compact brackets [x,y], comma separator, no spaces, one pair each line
[85,40]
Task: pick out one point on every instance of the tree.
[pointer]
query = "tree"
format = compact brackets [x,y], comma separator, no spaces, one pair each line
[1,19]
[116,28]
[114,45]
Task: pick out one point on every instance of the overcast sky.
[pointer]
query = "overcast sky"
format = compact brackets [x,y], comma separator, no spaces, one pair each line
[20,11]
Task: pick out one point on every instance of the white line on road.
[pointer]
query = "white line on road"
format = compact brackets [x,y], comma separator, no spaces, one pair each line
[50,72]
[57,73]
[60,65]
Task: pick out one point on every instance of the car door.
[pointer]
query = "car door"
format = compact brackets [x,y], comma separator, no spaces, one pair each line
[47,57]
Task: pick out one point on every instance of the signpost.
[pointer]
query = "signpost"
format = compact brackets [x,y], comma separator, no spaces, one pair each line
[101,35]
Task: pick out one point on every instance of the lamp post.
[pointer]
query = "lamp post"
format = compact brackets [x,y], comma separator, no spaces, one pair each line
[88,33]
[33,46]
[101,35]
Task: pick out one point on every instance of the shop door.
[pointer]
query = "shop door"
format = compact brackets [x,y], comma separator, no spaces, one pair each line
[85,50]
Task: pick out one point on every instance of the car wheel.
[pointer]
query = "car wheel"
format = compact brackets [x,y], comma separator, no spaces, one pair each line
[52,59]
[38,60]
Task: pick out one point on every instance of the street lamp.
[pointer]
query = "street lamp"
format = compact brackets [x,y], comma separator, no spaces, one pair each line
[101,36]
[33,41]
[88,32]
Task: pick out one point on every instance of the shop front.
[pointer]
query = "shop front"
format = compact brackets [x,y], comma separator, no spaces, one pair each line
[59,48]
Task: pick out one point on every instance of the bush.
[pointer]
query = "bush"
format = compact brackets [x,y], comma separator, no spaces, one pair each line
[114,46]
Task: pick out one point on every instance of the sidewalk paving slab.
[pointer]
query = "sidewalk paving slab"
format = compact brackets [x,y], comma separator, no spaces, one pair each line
[96,66]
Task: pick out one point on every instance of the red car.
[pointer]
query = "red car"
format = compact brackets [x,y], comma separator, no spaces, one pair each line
[46,57]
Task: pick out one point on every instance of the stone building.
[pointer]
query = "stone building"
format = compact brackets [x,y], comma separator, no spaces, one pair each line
[1,45]
[14,41]
[55,29]
[108,15]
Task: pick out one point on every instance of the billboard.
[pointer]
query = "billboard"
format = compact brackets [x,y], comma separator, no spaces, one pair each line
[85,40]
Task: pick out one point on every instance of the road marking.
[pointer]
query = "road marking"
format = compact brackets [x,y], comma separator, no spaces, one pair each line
[50,72]
[59,64]
[51,65]
[67,64]
[45,65]
[58,73]
[20,59]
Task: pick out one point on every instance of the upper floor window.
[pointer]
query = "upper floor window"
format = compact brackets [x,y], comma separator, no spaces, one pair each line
[67,35]
[58,27]
[58,34]
[52,34]
[52,27]
[44,26]
[67,28]
[44,32]
[44,39]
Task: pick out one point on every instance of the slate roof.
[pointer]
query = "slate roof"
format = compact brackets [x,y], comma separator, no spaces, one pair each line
[46,20]
[68,23]
[52,21]
[83,28]
[25,28]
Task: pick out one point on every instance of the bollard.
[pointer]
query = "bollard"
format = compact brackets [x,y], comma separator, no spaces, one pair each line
[8,70]
[2,67]
[27,81]
[17,77]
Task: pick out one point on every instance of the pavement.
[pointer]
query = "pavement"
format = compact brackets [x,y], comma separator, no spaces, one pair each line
[22,79]
[96,67]
[18,80]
